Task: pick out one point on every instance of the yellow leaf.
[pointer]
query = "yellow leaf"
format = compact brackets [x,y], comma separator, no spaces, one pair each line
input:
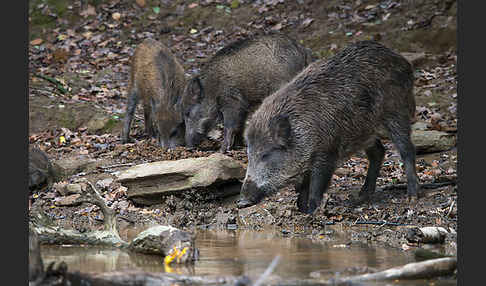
[62,140]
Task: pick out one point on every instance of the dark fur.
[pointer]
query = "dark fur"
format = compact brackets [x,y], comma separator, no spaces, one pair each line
[40,168]
[332,109]
[234,82]
[157,77]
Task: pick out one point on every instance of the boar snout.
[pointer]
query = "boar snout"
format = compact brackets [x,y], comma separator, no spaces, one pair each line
[250,195]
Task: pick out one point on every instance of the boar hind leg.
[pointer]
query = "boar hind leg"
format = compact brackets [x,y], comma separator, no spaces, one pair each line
[375,154]
[317,184]
[131,106]
[149,124]
[400,134]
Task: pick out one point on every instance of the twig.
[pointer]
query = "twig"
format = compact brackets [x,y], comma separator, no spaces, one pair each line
[422,186]
[54,81]
[116,166]
[451,207]
[381,223]
[268,271]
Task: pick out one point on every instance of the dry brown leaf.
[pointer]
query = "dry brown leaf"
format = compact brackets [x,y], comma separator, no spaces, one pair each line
[90,11]
[140,3]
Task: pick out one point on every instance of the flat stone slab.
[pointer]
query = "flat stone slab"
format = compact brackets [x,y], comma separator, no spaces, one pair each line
[149,183]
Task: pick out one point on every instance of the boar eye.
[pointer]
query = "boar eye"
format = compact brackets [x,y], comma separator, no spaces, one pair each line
[267,154]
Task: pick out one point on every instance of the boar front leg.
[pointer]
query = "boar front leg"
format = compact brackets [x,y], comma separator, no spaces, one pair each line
[303,190]
[316,183]
[233,125]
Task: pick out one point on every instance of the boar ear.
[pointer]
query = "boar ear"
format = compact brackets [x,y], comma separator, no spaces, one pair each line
[196,89]
[280,127]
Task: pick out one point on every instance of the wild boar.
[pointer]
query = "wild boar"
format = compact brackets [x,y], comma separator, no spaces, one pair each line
[157,77]
[332,109]
[234,82]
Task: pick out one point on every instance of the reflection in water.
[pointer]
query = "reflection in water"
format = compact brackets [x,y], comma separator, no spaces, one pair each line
[238,253]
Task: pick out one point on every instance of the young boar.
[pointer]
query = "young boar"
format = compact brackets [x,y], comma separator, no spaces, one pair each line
[234,82]
[332,109]
[157,77]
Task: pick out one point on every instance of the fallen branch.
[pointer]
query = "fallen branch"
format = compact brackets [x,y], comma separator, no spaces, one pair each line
[418,270]
[108,236]
[116,166]
[422,186]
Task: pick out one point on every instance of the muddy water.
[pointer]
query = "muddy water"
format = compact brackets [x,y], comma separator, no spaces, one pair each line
[244,253]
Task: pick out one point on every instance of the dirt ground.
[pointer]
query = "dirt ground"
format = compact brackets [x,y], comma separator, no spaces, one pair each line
[94,69]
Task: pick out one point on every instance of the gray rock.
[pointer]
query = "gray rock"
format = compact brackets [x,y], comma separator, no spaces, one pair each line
[176,245]
[420,125]
[105,183]
[149,183]
[416,59]
[70,189]
[69,166]
[427,141]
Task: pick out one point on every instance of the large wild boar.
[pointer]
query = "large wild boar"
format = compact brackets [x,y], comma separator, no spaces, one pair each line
[157,77]
[234,82]
[332,109]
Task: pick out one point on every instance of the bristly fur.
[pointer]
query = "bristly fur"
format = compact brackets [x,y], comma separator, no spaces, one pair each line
[335,108]
[158,79]
[235,80]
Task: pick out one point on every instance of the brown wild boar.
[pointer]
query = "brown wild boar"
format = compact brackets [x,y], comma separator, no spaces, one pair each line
[157,77]
[234,82]
[332,109]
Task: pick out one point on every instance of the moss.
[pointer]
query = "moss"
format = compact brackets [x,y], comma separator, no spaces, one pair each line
[66,119]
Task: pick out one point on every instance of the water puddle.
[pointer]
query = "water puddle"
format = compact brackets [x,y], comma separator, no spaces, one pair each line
[243,253]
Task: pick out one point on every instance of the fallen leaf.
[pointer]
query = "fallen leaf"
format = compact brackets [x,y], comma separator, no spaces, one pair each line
[235,4]
[116,16]
[140,3]
[307,22]
[277,27]
[36,42]
[90,11]
[156,10]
